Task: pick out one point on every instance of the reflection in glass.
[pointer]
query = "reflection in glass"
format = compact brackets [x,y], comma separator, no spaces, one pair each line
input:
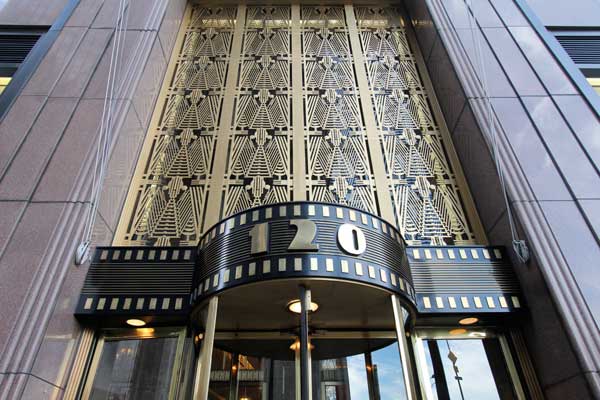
[468,369]
[252,377]
[241,377]
[387,373]
[220,375]
[375,375]
[135,369]
[339,378]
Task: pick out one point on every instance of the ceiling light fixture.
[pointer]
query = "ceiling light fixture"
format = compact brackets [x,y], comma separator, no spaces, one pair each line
[469,321]
[458,331]
[295,306]
[296,345]
[135,322]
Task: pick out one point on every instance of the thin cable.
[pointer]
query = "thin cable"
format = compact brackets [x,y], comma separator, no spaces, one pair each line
[106,128]
[518,244]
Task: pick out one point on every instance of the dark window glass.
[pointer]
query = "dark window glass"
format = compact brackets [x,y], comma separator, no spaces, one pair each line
[135,369]
[220,375]
[251,378]
[15,45]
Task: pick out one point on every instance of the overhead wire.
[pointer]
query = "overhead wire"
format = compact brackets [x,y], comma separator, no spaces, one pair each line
[519,245]
[106,131]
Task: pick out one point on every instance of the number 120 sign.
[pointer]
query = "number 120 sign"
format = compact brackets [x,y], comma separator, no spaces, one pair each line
[350,238]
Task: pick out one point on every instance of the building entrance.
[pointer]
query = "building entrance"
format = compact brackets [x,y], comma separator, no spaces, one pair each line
[298,207]
[375,374]
[356,347]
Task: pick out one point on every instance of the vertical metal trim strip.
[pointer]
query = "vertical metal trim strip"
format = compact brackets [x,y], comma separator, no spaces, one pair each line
[305,381]
[407,367]
[87,390]
[298,145]
[202,377]
[512,369]
[77,372]
[421,367]
[524,361]
[382,183]
[177,366]
[217,179]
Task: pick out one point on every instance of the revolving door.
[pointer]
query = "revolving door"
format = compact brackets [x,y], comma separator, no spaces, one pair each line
[353,349]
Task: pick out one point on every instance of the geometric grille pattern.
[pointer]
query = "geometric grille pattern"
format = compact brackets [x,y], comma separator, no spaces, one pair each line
[426,198]
[339,168]
[167,201]
[258,170]
[171,190]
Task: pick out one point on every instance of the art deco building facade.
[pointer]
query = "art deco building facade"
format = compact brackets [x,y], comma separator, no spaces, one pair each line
[370,200]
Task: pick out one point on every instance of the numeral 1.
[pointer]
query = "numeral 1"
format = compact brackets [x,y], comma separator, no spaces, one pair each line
[259,236]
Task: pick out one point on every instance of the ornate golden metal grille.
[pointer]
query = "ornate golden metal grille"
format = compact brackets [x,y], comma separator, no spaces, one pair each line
[339,168]
[258,168]
[424,192]
[271,104]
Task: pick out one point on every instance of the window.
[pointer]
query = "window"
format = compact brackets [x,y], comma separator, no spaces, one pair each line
[15,46]
[459,363]
[584,49]
[595,83]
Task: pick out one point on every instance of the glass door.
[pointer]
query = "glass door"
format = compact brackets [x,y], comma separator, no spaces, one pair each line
[344,366]
[143,363]
[459,364]
[375,374]
[243,377]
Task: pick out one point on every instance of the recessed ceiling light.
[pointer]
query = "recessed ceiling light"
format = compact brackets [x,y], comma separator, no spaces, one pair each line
[296,345]
[135,322]
[295,306]
[458,331]
[469,321]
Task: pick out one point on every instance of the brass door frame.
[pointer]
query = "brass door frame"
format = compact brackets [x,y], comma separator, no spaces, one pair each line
[136,334]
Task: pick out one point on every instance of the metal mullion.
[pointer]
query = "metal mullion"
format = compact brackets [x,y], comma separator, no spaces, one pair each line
[234,376]
[299,151]
[215,185]
[421,367]
[511,367]
[203,364]
[382,182]
[305,381]
[406,361]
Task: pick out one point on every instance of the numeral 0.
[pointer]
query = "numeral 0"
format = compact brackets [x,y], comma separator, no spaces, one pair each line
[351,239]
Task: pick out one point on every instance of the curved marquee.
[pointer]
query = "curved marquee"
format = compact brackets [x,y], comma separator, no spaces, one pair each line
[302,240]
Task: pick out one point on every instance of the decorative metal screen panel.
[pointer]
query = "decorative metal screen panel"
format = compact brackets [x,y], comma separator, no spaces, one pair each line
[424,192]
[258,170]
[171,183]
[339,169]
[264,105]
